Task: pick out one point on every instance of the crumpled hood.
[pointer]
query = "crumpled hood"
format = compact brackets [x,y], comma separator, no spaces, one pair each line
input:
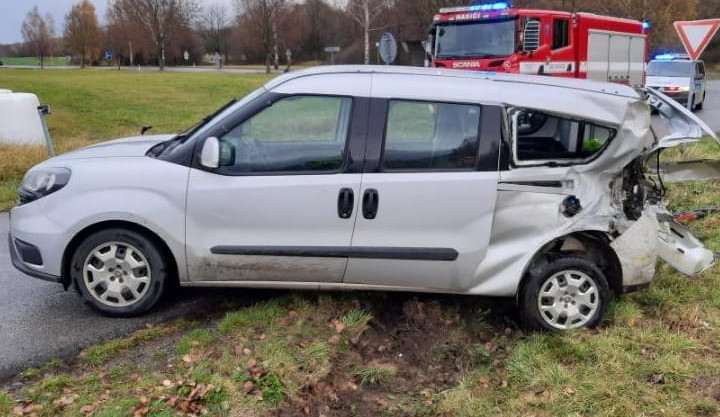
[126,147]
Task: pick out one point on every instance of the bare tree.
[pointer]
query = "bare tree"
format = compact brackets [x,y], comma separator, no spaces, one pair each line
[261,16]
[215,28]
[38,32]
[82,32]
[365,13]
[161,20]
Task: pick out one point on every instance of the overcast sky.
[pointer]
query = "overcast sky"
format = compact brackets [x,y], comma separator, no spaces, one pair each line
[12,14]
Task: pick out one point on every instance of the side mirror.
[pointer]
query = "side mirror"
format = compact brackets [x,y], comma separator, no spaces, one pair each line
[210,154]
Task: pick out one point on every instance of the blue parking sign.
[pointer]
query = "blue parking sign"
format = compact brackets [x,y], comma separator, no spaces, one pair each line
[108,54]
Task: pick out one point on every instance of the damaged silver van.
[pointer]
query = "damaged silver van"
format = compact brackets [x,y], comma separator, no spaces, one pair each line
[375,178]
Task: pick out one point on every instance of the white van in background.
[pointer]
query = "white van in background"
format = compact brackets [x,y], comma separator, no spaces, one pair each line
[680,78]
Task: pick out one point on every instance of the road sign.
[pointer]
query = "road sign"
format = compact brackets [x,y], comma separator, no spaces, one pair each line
[108,54]
[695,35]
[388,48]
[332,50]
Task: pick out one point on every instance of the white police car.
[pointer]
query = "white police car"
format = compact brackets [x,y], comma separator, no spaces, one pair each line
[680,78]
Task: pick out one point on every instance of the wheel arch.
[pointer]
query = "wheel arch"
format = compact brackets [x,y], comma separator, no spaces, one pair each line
[591,245]
[110,224]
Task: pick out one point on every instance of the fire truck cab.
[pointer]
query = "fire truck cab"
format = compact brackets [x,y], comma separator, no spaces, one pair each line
[498,37]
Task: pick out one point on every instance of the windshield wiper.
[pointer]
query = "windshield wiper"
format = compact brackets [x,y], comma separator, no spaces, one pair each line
[180,138]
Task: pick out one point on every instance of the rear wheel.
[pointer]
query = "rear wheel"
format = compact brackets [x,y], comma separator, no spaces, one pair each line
[119,272]
[564,294]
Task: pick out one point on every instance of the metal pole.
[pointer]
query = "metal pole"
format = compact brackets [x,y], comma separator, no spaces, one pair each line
[44,111]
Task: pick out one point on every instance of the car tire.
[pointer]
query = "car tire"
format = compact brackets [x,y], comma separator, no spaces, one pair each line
[119,272]
[567,293]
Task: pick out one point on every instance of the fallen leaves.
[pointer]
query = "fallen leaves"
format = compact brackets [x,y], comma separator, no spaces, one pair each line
[64,401]
[189,405]
[25,408]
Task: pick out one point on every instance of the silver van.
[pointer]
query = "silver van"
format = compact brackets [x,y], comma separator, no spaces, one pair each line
[541,189]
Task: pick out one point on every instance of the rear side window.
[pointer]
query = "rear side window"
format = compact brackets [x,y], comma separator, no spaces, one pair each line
[544,137]
[431,136]
[299,133]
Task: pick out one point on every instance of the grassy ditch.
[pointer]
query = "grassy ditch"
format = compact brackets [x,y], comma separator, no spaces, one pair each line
[384,354]
[95,105]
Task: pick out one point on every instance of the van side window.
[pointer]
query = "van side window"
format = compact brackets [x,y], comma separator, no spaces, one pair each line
[431,136]
[561,33]
[540,136]
[294,134]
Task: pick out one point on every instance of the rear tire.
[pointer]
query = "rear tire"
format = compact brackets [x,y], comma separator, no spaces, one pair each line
[564,294]
[119,272]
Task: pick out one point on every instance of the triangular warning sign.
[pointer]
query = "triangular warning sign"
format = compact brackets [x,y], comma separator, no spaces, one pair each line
[695,35]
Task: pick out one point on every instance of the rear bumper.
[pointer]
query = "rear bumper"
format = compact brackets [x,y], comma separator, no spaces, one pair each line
[20,252]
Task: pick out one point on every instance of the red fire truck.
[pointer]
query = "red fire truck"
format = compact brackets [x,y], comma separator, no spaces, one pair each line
[498,37]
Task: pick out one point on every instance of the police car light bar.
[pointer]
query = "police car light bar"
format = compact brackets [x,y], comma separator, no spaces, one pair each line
[665,57]
[483,7]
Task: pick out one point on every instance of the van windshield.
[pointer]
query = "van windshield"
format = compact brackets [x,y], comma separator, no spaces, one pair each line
[669,68]
[484,39]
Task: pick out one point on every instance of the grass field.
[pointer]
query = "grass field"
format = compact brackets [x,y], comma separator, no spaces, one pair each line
[362,354]
[91,105]
[11,60]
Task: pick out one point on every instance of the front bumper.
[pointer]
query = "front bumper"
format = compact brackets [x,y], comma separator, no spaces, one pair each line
[19,258]
[679,96]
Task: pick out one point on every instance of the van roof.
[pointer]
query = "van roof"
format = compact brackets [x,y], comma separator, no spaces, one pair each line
[519,79]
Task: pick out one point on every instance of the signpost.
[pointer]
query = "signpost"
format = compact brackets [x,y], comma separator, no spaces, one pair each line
[696,35]
[332,50]
[387,48]
[108,54]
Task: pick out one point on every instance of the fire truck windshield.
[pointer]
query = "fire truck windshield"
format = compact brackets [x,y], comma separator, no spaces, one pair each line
[479,39]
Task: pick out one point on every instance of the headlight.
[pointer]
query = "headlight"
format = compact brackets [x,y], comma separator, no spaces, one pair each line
[41,182]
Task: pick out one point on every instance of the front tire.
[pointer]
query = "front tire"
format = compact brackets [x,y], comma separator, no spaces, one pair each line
[119,272]
[568,293]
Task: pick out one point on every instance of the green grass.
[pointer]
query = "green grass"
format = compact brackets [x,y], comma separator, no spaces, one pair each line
[99,354]
[95,105]
[375,375]
[6,403]
[49,62]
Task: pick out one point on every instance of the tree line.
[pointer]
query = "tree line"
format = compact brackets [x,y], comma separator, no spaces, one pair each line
[273,32]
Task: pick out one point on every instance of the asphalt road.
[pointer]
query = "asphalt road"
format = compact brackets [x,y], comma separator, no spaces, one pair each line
[39,321]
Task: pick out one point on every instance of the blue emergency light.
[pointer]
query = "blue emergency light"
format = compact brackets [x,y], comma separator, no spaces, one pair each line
[646,25]
[500,5]
[664,57]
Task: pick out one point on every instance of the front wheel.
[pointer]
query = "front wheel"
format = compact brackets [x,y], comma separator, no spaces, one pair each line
[119,272]
[564,294]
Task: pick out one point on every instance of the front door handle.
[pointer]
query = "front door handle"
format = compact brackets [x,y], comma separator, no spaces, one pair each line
[346,203]
[370,203]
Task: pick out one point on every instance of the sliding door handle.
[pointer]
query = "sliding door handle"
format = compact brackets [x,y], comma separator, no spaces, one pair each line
[370,203]
[346,203]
